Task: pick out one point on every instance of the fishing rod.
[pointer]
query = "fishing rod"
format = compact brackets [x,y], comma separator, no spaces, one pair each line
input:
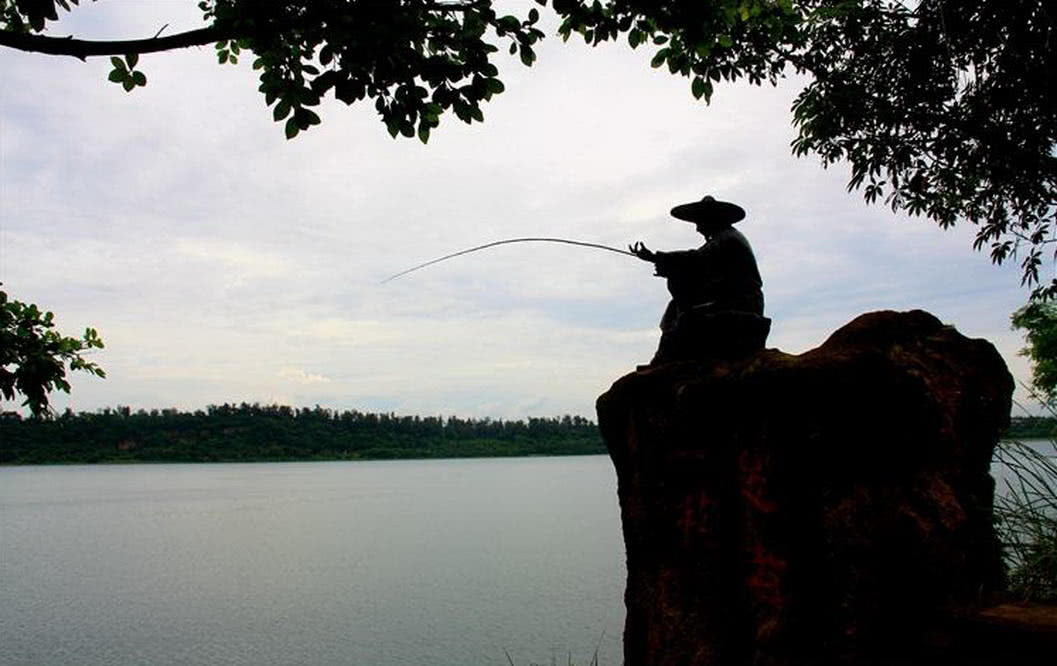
[505,242]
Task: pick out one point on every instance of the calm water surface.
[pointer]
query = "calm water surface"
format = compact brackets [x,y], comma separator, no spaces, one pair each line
[1004,475]
[381,563]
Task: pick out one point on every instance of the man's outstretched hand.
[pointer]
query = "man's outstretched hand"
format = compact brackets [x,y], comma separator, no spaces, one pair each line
[641,251]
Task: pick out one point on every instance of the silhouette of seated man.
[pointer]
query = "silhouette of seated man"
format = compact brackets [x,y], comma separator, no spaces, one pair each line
[716,309]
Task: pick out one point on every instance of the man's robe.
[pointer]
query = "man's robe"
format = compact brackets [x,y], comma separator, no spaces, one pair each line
[719,276]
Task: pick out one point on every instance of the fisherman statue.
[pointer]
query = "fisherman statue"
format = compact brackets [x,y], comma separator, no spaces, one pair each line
[716,311]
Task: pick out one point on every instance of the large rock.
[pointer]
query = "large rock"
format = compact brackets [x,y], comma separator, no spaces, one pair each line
[807,509]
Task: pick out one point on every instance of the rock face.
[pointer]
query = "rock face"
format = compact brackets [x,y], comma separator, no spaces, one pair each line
[809,509]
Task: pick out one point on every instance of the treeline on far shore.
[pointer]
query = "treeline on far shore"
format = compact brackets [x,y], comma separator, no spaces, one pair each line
[1031,427]
[245,433]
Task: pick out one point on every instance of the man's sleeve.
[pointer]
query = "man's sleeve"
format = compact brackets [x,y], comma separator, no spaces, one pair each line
[671,263]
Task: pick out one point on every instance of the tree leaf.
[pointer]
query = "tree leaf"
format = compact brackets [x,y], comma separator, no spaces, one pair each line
[291,128]
[306,118]
[698,87]
[281,110]
[132,59]
[528,56]
[118,63]
[431,112]
[462,111]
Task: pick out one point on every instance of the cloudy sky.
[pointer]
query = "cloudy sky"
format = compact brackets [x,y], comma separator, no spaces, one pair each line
[223,263]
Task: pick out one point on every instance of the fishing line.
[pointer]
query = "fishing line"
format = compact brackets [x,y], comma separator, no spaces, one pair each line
[505,242]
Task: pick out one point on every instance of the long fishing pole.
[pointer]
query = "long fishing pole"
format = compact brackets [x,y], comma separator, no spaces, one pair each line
[505,242]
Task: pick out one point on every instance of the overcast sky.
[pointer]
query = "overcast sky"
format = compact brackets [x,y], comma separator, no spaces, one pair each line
[222,263]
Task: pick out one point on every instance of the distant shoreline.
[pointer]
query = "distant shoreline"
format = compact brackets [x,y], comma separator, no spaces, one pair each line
[72,463]
[256,433]
[1031,427]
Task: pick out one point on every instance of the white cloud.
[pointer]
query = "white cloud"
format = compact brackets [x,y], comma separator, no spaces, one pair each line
[302,377]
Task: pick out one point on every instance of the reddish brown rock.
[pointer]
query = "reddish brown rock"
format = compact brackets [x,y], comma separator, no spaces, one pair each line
[807,509]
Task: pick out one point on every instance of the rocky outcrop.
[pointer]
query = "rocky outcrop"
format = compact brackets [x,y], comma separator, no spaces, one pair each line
[807,509]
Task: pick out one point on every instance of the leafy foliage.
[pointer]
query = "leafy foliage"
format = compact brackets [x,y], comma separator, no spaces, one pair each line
[33,356]
[26,15]
[125,74]
[416,59]
[942,109]
[1039,322]
[720,40]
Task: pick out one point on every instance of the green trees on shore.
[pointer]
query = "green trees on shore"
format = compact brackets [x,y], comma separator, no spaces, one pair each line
[254,432]
[245,432]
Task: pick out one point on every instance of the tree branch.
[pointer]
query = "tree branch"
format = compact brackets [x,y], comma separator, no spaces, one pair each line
[80,48]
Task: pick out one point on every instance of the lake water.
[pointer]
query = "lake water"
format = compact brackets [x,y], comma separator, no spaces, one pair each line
[378,563]
[1004,476]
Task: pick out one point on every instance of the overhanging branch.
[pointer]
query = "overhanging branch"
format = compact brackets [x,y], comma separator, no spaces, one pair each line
[80,48]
